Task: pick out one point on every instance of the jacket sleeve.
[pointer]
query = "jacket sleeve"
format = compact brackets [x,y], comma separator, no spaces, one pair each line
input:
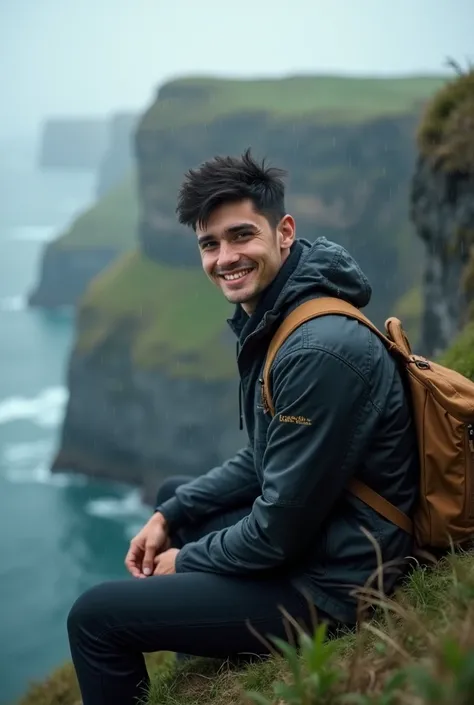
[234,483]
[323,420]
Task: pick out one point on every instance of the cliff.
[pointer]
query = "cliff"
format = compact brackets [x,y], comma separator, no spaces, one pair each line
[74,144]
[442,209]
[92,242]
[98,236]
[152,379]
[117,160]
[347,143]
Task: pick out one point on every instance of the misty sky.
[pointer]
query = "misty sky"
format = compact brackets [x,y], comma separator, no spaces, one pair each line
[78,57]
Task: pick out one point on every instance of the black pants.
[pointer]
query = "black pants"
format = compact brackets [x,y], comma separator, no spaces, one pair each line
[202,614]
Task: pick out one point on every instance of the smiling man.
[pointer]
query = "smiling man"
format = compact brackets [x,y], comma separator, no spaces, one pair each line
[273,526]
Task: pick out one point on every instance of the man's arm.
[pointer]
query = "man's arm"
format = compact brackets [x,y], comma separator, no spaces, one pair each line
[323,420]
[229,485]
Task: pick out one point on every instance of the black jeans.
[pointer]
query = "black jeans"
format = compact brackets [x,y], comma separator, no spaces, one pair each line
[202,614]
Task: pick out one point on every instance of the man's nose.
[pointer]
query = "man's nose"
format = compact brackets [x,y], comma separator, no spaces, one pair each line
[227,255]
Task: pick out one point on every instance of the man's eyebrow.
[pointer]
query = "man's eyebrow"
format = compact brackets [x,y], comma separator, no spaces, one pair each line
[234,229]
[231,230]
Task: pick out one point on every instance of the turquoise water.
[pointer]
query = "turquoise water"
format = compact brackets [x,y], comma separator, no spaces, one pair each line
[58,534]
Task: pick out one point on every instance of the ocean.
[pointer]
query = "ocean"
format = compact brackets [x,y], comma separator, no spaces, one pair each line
[59,534]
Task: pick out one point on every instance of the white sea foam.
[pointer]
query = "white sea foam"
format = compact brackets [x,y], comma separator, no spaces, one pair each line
[44,410]
[127,506]
[29,463]
[13,303]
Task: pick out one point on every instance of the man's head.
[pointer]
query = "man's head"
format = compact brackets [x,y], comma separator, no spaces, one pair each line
[237,209]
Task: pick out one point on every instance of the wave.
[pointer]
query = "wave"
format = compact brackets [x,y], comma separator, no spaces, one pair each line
[19,453]
[33,233]
[28,463]
[44,410]
[117,507]
[40,474]
[13,303]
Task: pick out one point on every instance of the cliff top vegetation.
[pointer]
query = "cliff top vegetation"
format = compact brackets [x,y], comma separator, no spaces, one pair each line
[187,101]
[161,309]
[326,98]
[446,132]
[111,222]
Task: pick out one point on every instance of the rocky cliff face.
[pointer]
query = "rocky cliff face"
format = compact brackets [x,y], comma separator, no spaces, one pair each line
[347,182]
[442,209]
[131,425]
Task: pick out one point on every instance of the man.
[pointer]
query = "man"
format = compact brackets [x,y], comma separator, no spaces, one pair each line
[274,526]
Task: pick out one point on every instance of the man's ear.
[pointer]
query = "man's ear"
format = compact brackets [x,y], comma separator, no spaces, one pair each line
[286,231]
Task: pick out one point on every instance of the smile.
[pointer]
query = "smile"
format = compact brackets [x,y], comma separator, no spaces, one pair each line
[234,276]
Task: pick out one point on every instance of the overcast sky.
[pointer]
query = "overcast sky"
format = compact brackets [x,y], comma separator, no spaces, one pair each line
[78,57]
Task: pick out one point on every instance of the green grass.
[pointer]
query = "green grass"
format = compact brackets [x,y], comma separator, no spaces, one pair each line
[171,317]
[112,222]
[336,98]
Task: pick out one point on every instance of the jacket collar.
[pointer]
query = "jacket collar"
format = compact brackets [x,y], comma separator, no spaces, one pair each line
[244,325]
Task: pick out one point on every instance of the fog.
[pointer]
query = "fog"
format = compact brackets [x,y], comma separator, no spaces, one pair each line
[61,57]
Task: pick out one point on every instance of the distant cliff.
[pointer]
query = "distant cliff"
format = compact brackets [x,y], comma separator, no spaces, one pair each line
[442,209]
[92,242]
[152,377]
[117,160]
[98,236]
[74,144]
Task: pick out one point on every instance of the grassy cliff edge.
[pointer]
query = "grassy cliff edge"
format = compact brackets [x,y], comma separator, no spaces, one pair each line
[418,649]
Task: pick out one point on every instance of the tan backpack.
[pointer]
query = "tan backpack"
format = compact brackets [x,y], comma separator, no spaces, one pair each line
[443,410]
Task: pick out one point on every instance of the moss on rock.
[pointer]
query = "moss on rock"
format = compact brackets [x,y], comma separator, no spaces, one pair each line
[446,132]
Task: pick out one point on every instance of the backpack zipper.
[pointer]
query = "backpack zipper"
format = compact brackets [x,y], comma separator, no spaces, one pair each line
[469,508]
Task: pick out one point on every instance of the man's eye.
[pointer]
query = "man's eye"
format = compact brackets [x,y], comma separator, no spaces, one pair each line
[207,245]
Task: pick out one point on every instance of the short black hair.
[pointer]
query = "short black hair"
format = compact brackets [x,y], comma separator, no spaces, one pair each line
[231,179]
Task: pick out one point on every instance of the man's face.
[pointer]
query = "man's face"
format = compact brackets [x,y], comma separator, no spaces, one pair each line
[242,253]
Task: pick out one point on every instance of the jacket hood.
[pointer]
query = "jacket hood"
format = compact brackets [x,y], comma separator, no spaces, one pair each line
[325,269]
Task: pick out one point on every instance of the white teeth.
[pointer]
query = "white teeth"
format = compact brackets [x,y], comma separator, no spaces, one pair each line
[237,275]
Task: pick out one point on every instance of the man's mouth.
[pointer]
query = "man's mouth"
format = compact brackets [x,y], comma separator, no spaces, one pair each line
[235,276]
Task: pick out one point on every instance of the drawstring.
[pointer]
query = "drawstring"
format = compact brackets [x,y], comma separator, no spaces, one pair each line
[241,420]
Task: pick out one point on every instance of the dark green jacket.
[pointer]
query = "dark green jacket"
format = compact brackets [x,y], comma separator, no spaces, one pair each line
[352,419]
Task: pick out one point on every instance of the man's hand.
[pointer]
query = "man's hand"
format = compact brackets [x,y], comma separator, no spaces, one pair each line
[148,543]
[165,563]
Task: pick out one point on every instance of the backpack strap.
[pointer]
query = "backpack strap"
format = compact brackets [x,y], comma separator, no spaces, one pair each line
[313,309]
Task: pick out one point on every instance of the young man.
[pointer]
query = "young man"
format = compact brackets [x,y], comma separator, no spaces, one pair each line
[274,526]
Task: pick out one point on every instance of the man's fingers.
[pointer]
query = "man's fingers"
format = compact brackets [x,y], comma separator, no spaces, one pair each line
[150,552]
[132,560]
